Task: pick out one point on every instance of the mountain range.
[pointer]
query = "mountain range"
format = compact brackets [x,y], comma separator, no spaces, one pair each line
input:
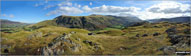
[7,23]
[176,19]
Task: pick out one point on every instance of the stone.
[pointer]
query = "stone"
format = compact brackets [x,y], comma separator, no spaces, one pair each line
[26,43]
[171,30]
[78,39]
[144,35]
[156,34]
[137,35]
[73,32]
[174,39]
[6,51]
[38,34]
[168,50]
[88,42]
[58,47]
[90,33]
[97,48]
[47,35]
[122,48]
[74,48]
[50,44]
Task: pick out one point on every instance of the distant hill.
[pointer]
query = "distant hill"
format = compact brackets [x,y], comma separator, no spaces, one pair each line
[11,24]
[176,19]
[92,22]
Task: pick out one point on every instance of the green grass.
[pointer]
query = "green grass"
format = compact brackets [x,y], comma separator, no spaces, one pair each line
[110,39]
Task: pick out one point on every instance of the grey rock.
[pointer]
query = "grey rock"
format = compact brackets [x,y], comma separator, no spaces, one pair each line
[137,35]
[168,50]
[38,34]
[73,32]
[88,42]
[171,30]
[144,35]
[57,46]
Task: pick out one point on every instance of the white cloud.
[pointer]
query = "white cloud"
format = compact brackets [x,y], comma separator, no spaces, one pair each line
[49,6]
[8,15]
[90,3]
[79,6]
[150,15]
[86,8]
[160,10]
[110,9]
[4,15]
[11,16]
[170,7]
[65,4]
[66,11]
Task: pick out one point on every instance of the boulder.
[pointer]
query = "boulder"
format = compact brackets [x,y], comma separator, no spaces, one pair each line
[168,50]
[171,30]
[144,35]
[174,39]
[156,34]
[137,35]
[90,34]
[6,51]
[58,47]
[47,35]
[37,34]
[123,48]
[88,42]
[74,48]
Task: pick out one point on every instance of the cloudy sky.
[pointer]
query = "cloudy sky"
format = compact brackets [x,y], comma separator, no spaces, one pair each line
[36,11]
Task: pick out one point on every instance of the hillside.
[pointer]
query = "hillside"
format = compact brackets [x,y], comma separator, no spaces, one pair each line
[176,19]
[92,22]
[147,39]
[11,24]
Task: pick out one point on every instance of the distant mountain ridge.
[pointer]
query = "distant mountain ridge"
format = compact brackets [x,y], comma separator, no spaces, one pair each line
[176,19]
[7,23]
[91,22]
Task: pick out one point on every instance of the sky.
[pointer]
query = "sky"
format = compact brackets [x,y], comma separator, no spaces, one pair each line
[36,11]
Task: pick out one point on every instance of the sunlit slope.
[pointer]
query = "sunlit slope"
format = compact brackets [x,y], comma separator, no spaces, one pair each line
[148,39]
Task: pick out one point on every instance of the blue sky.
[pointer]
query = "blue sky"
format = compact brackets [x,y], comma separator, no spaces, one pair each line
[36,11]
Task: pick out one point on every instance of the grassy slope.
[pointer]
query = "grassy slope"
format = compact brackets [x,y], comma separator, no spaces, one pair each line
[113,41]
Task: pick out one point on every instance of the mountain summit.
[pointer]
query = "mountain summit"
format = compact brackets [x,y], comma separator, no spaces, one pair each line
[92,22]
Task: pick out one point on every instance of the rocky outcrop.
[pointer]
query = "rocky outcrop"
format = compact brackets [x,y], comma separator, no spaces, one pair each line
[58,46]
[64,45]
[177,40]
[168,50]
[37,34]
